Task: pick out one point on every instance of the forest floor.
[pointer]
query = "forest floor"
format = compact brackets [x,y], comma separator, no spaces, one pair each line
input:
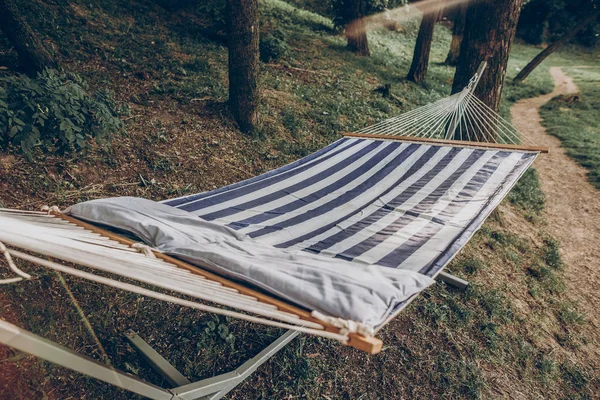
[518,332]
[572,210]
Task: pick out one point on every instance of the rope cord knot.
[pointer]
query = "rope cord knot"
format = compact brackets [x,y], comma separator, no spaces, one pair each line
[51,209]
[144,249]
[345,326]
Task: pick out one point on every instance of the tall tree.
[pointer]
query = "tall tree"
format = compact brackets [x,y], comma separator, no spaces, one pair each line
[33,57]
[356,30]
[420,61]
[243,46]
[592,16]
[458,28]
[488,36]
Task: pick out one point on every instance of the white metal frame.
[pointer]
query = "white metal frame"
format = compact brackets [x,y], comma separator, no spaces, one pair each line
[212,388]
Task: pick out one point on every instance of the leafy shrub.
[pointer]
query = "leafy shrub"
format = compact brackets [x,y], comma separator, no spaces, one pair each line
[54,111]
[273,46]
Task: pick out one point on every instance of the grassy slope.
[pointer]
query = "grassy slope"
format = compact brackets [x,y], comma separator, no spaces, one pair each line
[577,124]
[511,334]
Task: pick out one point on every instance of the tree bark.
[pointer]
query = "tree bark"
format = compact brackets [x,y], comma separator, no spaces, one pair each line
[33,57]
[420,61]
[489,32]
[458,29]
[356,31]
[554,46]
[244,62]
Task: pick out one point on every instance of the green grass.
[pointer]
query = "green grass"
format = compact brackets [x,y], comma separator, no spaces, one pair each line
[174,78]
[528,195]
[577,124]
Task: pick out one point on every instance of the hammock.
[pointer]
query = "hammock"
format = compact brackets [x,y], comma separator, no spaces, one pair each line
[404,195]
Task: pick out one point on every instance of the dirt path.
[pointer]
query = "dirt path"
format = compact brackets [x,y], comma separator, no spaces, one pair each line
[572,210]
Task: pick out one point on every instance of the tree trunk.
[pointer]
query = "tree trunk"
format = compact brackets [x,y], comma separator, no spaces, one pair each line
[458,29]
[356,31]
[420,61]
[33,57]
[489,32]
[554,46]
[243,62]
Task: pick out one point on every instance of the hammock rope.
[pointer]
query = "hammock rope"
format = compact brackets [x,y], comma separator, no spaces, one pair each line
[461,116]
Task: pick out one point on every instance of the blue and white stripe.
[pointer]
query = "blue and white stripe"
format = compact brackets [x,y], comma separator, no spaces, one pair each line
[386,202]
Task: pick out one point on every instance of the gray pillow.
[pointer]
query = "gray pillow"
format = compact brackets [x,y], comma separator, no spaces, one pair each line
[349,290]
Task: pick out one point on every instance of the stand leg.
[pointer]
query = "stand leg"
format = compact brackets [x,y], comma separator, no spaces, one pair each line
[27,342]
[156,361]
[212,388]
[453,281]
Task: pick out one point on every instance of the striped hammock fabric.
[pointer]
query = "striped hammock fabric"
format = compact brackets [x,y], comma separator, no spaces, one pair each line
[392,203]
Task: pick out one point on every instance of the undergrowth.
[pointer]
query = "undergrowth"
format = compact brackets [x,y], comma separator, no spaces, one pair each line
[54,111]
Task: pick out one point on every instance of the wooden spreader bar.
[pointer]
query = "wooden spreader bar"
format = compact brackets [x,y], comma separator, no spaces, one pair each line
[461,143]
[369,344]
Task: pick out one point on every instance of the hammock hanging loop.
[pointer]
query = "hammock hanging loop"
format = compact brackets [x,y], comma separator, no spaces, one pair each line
[477,76]
[472,81]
